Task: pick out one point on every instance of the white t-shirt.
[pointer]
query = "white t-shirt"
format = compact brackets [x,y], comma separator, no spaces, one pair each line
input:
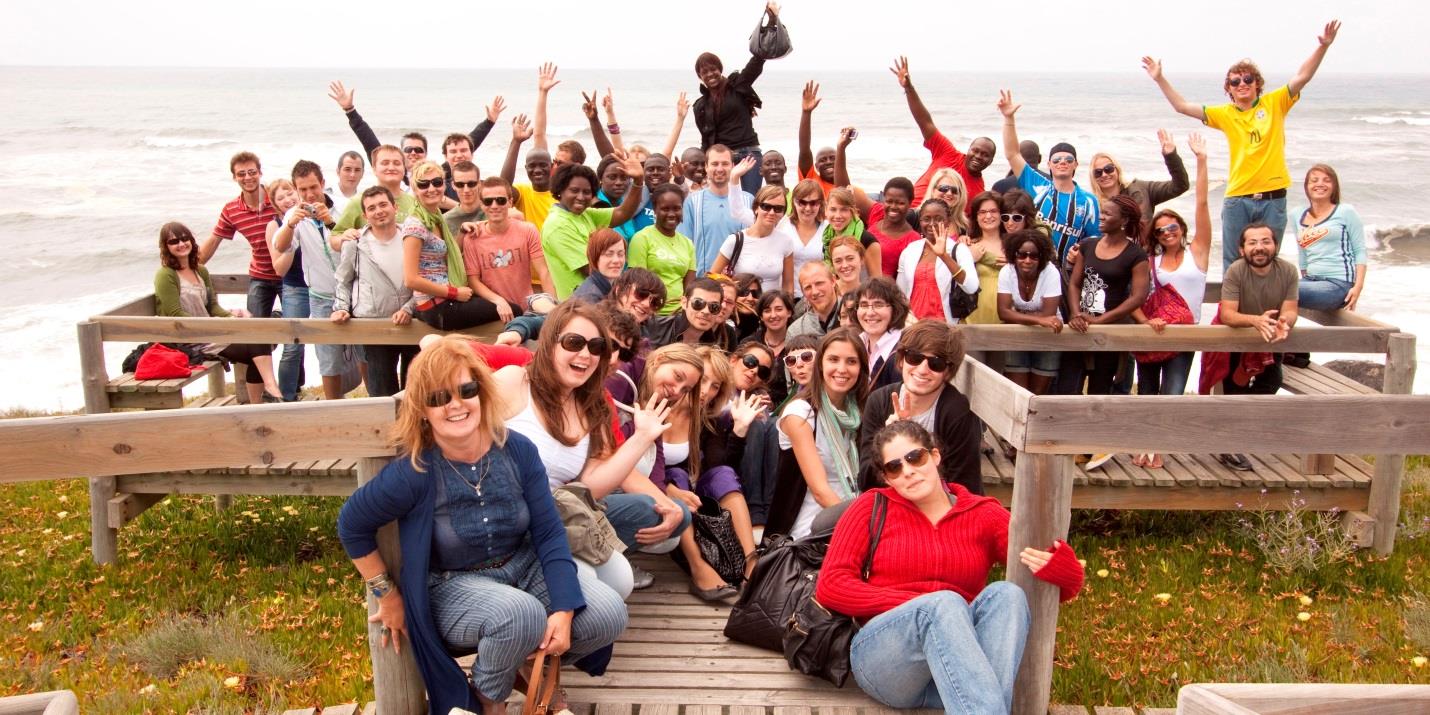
[1190,282]
[812,252]
[676,452]
[764,257]
[1049,286]
[810,508]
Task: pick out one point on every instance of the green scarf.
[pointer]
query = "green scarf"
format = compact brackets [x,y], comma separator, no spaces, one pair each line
[855,229]
[835,435]
[456,269]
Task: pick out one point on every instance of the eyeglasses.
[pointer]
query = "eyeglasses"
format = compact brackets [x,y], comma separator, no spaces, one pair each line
[753,363]
[466,391]
[872,306]
[176,241]
[1169,229]
[750,292]
[808,203]
[1106,170]
[413,150]
[647,296]
[710,306]
[988,212]
[894,468]
[1063,159]
[573,342]
[1012,218]
[465,184]
[947,189]
[1247,79]
[772,208]
[937,364]
[1027,256]
[246,173]
[624,353]
[423,184]
[802,356]
[488,200]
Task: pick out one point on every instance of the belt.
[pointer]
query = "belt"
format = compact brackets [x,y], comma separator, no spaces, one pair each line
[429,304]
[1263,195]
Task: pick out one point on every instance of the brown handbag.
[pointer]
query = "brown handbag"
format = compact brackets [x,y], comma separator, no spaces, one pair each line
[544,683]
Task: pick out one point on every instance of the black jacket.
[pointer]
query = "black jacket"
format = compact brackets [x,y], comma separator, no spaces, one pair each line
[958,437]
[732,123]
[666,329]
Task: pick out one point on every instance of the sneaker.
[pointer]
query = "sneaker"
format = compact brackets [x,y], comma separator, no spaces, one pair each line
[1097,460]
[643,578]
[1239,462]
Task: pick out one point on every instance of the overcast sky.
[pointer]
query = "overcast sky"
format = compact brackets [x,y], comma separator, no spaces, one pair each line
[990,35]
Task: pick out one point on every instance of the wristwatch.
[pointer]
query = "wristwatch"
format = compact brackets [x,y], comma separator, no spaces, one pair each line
[379,586]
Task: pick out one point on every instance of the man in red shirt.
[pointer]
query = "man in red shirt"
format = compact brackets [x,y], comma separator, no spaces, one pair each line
[970,166]
[249,215]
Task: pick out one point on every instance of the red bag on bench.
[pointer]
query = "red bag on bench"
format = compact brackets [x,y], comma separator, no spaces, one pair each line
[161,362]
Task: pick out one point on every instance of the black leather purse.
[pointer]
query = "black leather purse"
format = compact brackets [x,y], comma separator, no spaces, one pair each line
[816,640]
[719,546]
[783,577]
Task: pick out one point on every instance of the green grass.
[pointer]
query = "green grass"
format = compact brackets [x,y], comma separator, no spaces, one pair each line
[262,597]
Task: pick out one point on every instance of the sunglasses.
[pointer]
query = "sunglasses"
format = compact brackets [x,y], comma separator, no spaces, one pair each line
[750,292]
[413,150]
[947,189]
[465,391]
[488,200]
[573,342]
[1169,229]
[1248,80]
[645,296]
[894,468]
[753,363]
[808,203]
[937,364]
[1012,218]
[802,356]
[624,353]
[772,208]
[710,306]
[1063,159]
[246,173]
[1027,256]
[465,184]
[176,241]
[1106,170]
[423,184]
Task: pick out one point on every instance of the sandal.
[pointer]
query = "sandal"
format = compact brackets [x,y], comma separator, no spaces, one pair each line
[1139,460]
[1154,461]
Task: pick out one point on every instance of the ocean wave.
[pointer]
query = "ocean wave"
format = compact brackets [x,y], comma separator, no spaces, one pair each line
[1414,231]
[182,142]
[1416,119]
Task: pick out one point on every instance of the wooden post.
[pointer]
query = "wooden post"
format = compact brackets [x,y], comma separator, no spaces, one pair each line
[103,540]
[396,682]
[1042,509]
[1389,468]
[216,383]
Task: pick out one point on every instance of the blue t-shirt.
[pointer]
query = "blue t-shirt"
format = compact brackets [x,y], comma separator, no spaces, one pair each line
[644,217]
[1072,217]
[707,221]
[1334,247]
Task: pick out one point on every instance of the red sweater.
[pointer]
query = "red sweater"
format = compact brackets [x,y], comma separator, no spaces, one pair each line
[916,557]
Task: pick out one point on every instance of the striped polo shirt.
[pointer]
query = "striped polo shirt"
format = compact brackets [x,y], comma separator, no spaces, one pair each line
[238,217]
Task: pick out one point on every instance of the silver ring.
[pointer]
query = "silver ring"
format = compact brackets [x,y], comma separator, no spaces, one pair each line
[386,630]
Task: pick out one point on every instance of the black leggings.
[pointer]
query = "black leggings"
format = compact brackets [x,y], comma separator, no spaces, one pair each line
[384,376]
[244,355]
[458,315]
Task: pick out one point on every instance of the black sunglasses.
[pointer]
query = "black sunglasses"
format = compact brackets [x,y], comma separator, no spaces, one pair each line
[490,200]
[772,208]
[413,150]
[648,296]
[176,241]
[895,467]
[624,353]
[750,292]
[802,356]
[947,189]
[753,363]
[465,184]
[466,391]
[808,203]
[1109,169]
[573,342]
[710,306]
[1025,255]
[937,364]
[438,182]
[1248,80]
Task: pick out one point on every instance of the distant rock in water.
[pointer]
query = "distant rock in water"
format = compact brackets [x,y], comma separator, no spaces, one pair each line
[1370,374]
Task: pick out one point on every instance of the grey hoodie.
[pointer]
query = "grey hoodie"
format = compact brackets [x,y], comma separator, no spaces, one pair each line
[376,297]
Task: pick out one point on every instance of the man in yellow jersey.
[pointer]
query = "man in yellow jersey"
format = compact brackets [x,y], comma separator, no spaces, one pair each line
[1255,129]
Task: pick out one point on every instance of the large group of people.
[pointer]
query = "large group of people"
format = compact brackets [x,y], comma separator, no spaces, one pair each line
[704,333]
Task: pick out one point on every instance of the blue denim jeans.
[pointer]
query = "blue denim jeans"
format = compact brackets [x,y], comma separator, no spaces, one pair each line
[262,294]
[1323,293]
[290,366]
[938,651]
[751,181]
[1237,212]
[330,357]
[1164,378]
[629,513]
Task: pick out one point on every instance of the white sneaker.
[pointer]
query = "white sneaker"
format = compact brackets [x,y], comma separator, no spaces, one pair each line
[1097,461]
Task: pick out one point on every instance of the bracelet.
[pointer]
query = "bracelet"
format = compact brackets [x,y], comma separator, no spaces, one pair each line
[376,579]
[613,128]
[451,292]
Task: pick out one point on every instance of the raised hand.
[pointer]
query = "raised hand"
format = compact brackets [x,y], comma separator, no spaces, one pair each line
[1328,35]
[521,128]
[588,104]
[846,135]
[773,8]
[1168,145]
[1153,67]
[744,411]
[630,164]
[1198,145]
[682,106]
[901,71]
[342,95]
[546,78]
[810,98]
[903,410]
[494,109]
[652,420]
[608,103]
[742,167]
[1005,104]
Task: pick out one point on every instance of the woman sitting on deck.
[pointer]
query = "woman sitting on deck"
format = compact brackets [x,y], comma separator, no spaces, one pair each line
[935,634]
[182,288]
[486,566]
[432,264]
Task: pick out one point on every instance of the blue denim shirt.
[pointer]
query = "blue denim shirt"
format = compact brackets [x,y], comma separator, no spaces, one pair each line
[477,531]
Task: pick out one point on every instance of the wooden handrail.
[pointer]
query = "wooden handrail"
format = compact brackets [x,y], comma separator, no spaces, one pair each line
[309,331]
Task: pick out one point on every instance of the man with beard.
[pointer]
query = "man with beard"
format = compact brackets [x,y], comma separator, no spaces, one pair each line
[706,213]
[943,153]
[1259,291]
[533,198]
[697,321]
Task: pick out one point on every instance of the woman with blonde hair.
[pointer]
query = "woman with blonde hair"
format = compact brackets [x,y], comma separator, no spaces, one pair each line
[432,264]
[947,185]
[841,218]
[486,565]
[1107,179]
[846,256]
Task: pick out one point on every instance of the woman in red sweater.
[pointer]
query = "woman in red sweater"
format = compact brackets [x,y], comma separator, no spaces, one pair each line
[934,635]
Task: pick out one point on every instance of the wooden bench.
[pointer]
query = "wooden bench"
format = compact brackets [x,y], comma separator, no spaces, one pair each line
[1302,699]
[1316,379]
[126,392]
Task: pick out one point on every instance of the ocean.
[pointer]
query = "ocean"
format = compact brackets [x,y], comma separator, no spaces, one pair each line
[97,159]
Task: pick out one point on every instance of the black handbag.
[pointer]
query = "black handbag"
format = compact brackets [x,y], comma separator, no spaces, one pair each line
[770,40]
[961,304]
[714,532]
[816,640]
[775,589]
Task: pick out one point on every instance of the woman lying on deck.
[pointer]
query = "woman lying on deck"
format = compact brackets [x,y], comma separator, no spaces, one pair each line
[486,566]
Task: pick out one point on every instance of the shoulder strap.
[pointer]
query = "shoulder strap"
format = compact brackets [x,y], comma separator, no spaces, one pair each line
[876,532]
[735,252]
[1152,265]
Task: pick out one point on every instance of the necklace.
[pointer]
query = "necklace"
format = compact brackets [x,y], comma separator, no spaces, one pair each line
[477,486]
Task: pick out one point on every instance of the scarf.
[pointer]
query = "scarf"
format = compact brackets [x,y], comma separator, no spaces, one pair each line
[855,229]
[834,435]
[456,269]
